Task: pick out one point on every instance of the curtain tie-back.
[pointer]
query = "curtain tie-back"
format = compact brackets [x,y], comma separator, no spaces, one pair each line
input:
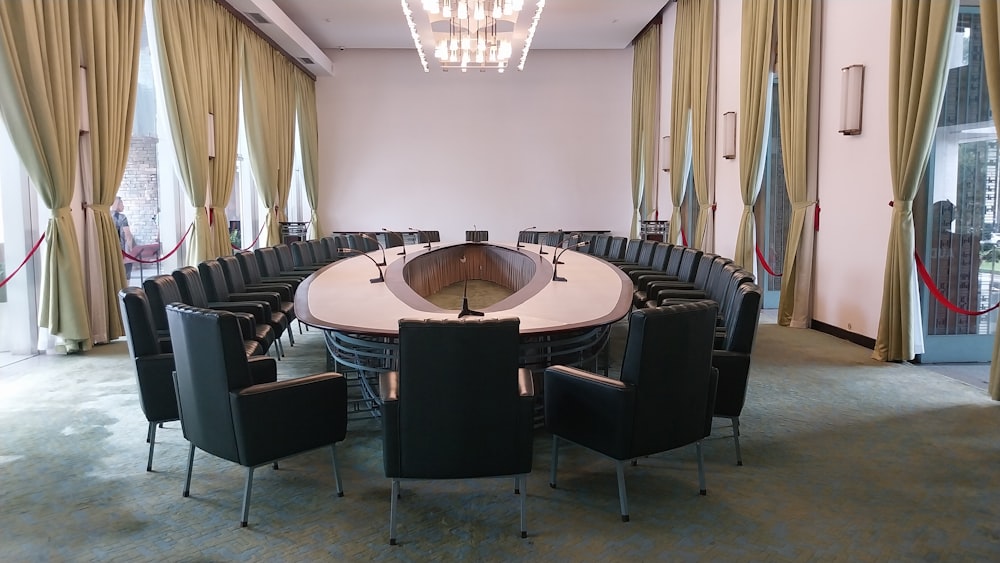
[802,205]
[62,212]
[901,206]
[747,209]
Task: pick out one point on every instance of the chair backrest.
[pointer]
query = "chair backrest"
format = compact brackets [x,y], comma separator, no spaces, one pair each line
[369,241]
[599,247]
[393,239]
[249,267]
[527,236]
[211,362]
[632,250]
[354,242]
[646,249]
[213,281]
[704,266]
[233,274]
[477,236]
[156,386]
[333,246]
[661,257]
[668,360]
[712,275]
[285,260]
[552,238]
[161,291]
[302,253]
[460,411]
[137,316]
[319,252]
[616,248]
[192,289]
[742,316]
[687,264]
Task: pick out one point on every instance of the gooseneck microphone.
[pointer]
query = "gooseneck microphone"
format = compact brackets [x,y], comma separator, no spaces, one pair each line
[466,311]
[555,267]
[388,232]
[427,237]
[382,248]
[565,241]
[524,230]
[380,278]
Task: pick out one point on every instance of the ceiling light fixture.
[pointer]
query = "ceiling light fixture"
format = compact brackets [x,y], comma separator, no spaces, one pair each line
[476,33]
[413,32]
[531,33]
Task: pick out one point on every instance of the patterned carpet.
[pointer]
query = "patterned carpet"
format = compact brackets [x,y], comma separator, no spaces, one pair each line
[847,459]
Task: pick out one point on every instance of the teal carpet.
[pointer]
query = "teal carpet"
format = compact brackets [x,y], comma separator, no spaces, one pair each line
[847,459]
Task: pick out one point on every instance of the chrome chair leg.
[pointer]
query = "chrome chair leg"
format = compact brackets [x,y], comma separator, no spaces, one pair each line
[151,438]
[622,495]
[291,335]
[392,512]
[246,497]
[187,480]
[524,507]
[701,469]
[336,470]
[555,461]
[736,439]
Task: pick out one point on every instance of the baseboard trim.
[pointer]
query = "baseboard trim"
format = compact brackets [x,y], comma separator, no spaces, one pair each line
[849,336]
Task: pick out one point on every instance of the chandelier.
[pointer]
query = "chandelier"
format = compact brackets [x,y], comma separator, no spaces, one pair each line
[473,33]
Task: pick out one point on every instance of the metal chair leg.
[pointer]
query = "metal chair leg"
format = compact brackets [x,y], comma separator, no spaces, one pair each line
[622,495]
[336,470]
[555,461]
[291,335]
[187,480]
[736,439]
[701,469]
[392,512]
[246,497]
[524,507]
[151,438]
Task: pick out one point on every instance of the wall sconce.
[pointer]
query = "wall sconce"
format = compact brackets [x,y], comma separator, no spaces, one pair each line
[665,154]
[729,135]
[211,135]
[852,90]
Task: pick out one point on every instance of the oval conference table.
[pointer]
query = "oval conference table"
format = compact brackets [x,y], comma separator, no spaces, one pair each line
[565,309]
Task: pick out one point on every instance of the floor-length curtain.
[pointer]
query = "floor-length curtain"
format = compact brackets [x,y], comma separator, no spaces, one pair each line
[645,101]
[703,119]
[794,31]
[223,104]
[39,100]
[269,117]
[182,29]
[918,64]
[305,93]
[755,88]
[680,105]
[110,35]
[990,15]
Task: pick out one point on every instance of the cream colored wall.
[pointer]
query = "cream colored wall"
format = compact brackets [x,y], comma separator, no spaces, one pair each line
[854,185]
[546,147]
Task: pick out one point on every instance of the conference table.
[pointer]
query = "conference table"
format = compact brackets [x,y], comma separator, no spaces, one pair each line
[565,309]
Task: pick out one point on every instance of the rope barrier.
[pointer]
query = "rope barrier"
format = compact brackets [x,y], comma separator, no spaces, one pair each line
[31,253]
[925,277]
[767,267]
[165,256]
[252,244]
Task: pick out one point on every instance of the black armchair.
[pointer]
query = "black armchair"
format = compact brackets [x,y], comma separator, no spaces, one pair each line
[232,271]
[154,366]
[459,407]
[234,408]
[663,401]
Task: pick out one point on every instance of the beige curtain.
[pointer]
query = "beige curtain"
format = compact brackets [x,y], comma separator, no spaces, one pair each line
[793,69]
[305,90]
[755,88]
[223,104]
[110,35]
[680,110]
[182,30]
[703,120]
[645,130]
[39,100]
[991,55]
[919,41]
[269,117]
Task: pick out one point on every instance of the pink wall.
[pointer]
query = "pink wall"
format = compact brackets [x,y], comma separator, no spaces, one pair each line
[546,147]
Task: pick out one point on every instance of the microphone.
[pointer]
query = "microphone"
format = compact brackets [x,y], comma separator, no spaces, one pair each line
[380,278]
[388,232]
[519,245]
[555,267]
[427,237]
[382,248]
[466,311]
[571,237]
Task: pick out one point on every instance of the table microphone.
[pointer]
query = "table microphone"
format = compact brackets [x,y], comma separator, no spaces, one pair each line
[382,248]
[519,245]
[380,278]
[427,237]
[466,311]
[403,253]
[571,237]
[555,266]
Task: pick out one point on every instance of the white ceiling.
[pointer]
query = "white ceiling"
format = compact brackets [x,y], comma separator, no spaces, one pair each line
[380,24]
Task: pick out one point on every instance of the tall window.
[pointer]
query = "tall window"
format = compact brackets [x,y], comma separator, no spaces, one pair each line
[772,209]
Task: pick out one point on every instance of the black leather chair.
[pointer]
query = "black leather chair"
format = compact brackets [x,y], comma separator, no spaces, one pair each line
[664,399]
[287,262]
[630,255]
[709,270]
[459,407]
[477,236]
[270,265]
[154,366]
[213,283]
[732,356]
[599,246]
[616,249]
[235,408]
[252,274]
[233,273]
[657,262]
[303,257]
[682,266]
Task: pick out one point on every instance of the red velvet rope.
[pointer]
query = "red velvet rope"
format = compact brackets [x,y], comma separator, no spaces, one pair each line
[760,256]
[252,244]
[31,253]
[161,258]
[925,276]
[684,239]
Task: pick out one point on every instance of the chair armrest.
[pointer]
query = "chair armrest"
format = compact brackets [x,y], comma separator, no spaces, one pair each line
[589,409]
[388,386]
[279,419]
[259,311]
[262,369]
[734,371]
[681,295]
[157,397]
[155,364]
[271,298]
[643,279]
[283,290]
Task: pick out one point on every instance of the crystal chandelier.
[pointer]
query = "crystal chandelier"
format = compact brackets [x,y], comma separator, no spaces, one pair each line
[478,33]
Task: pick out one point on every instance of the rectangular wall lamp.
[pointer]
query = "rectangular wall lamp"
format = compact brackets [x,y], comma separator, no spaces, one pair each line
[852,93]
[729,135]
[665,154]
